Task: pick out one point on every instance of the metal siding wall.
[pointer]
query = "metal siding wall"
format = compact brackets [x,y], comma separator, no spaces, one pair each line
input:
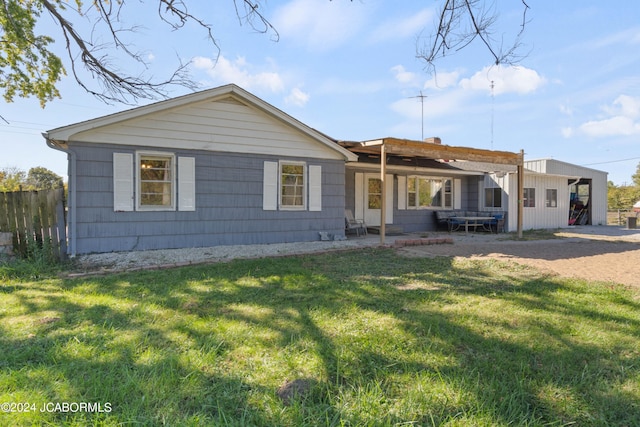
[228,206]
[542,217]
[599,183]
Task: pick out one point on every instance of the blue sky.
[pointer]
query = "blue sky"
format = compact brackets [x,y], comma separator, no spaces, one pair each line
[349,69]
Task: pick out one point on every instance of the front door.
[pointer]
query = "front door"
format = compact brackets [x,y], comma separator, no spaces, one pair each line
[369,198]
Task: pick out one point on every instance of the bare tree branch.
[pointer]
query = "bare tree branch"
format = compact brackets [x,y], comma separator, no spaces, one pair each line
[461,22]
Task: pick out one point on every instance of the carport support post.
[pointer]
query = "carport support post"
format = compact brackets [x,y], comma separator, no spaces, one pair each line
[383,201]
[520,193]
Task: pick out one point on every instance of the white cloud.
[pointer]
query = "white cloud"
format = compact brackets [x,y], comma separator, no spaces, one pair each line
[405,77]
[614,126]
[518,80]
[622,119]
[439,81]
[404,27]
[443,80]
[239,72]
[319,25]
[297,97]
[625,105]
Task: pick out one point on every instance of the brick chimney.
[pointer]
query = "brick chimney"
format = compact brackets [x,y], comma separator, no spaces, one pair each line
[433,140]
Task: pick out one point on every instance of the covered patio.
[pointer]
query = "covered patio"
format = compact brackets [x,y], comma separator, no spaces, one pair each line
[429,150]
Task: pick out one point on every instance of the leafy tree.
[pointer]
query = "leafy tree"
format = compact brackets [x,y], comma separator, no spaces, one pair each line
[38,178]
[27,67]
[12,179]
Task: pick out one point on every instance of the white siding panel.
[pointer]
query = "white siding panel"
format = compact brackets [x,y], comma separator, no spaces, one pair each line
[213,126]
[541,216]
[598,203]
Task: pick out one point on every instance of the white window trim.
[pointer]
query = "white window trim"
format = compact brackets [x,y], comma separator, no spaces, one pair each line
[160,154]
[305,184]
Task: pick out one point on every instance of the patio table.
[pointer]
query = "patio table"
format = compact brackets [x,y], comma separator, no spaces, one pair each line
[471,221]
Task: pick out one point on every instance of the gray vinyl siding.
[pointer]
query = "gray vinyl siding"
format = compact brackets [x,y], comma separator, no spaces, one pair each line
[228,205]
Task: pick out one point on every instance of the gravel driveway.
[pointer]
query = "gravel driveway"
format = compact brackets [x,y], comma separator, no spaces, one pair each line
[605,254]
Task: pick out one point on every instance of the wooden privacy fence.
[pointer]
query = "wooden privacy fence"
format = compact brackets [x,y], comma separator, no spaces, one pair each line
[35,218]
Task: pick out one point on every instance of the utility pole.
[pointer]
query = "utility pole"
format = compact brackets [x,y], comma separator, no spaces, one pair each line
[422,97]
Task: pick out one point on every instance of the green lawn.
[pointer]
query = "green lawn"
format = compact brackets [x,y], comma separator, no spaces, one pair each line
[378,340]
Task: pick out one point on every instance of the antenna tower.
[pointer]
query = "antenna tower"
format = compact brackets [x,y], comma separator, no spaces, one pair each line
[421,97]
[492,108]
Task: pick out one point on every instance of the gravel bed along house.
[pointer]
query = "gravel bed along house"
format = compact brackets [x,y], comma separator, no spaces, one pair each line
[135,260]
[590,251]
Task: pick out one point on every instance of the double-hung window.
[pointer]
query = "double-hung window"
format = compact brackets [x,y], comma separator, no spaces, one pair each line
[156,183]
[529,198]
[153,181]
[551,200]
[428,192]
[493,197]
[292,185]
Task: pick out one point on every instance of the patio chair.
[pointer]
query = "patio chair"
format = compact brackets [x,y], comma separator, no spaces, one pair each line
[499,222]
[352,224]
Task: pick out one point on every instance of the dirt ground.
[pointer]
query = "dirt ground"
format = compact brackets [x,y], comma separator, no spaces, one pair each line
[600,253]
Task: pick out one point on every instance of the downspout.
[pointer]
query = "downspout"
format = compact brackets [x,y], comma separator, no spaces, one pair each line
[71,171]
